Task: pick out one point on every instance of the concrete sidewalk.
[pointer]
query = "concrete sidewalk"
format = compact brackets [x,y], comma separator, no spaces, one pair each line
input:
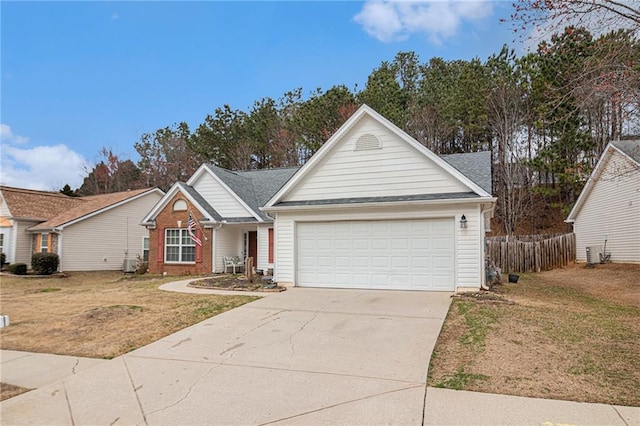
[33,370]
[304,356]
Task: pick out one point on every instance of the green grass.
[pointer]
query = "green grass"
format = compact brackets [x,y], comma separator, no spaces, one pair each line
[460,380]
[478,320]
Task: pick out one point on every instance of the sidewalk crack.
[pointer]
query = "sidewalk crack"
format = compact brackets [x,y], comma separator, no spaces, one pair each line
[135,391]
[619,415]
[338,404]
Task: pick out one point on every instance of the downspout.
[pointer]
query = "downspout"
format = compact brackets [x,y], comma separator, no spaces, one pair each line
[58,232]
[483,263]
[214,238]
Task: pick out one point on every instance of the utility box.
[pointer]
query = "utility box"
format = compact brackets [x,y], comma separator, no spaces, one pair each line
[129,265]
[593,254]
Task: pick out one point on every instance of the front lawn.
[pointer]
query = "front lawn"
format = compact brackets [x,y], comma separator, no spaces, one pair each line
[99,314]
[571,334]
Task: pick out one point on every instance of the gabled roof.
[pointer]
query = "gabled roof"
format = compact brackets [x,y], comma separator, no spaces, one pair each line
[253,187]
[474,165]
[470,163]
[37,205]
[84,207]
[629,149]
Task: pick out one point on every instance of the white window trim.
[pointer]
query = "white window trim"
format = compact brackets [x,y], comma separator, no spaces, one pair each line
[180,245]
[147,249]
[42,240]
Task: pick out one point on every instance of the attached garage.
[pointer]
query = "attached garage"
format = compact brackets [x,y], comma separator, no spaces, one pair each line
[381,254]
[375,209]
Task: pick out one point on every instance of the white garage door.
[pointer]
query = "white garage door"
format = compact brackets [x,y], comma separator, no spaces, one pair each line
[395,254]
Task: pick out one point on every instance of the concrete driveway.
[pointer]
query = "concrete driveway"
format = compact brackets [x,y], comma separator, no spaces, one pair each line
[304,356]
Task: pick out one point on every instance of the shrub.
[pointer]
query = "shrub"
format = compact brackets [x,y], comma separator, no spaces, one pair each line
[3,259]
[141,265]
[17,268]
[44,263]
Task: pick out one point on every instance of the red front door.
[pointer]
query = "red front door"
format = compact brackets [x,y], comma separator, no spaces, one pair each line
[253,246]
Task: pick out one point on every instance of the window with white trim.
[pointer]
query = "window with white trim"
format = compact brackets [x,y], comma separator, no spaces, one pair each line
[178,246]
[44,243]
[145,249]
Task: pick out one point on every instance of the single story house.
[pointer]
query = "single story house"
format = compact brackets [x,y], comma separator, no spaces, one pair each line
[98,232]
[373,208]
[608,207]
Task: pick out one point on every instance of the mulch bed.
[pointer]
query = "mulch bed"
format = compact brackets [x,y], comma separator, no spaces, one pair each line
[237,283]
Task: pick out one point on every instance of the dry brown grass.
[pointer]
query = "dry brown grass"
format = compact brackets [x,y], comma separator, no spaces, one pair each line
[571,334]
[9,391]
[98,314]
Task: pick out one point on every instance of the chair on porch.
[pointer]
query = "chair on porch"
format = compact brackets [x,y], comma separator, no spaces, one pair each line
[232,262]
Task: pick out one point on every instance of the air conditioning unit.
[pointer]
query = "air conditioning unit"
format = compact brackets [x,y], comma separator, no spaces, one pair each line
[129,265]
[593,254]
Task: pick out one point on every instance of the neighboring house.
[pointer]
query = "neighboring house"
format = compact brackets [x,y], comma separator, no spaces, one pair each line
[373,208]
[88,233]
[608,207]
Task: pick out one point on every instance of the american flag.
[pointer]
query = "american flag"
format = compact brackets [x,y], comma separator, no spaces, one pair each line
[191,226]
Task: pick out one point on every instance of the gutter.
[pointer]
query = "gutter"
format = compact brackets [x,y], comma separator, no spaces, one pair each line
[302,207]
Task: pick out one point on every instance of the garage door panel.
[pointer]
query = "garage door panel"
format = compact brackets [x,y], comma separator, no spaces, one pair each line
[402,254]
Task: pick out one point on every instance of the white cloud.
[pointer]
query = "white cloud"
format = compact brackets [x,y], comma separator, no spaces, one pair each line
[7,135]
[41,167]
[440,19]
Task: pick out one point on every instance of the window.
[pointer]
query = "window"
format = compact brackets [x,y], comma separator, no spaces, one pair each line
[145,249]
[270,245]
[180,206]
[44,243]
[179,247]
[1,243]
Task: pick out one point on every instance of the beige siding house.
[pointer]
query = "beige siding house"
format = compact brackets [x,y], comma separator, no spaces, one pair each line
[608,207]
[373,208]
[97,232]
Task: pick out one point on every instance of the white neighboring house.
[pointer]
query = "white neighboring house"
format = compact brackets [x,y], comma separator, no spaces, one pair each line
[88,233]
[608,207]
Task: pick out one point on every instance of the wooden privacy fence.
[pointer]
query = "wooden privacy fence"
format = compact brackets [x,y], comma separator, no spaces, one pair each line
[531,253]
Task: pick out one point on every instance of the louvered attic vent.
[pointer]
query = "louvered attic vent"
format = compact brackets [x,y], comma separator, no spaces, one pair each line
[367,141]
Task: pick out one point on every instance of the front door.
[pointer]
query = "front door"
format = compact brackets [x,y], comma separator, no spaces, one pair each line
[252,250]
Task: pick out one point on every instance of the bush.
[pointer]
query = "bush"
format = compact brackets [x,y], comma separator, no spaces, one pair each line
[17,268]
[44,263]
[3,259]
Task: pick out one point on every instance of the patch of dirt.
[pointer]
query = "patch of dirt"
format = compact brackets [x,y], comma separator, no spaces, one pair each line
[9,391]
[483,297]
[570,334]
[236,283]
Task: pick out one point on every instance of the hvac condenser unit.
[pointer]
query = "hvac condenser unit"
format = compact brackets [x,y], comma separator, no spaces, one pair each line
[129,265]
[593,254]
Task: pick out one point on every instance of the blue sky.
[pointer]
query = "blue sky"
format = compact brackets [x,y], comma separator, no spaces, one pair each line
[80,76]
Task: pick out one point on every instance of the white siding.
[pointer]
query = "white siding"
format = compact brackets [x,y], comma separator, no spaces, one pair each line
[263,247]
[219,198]
[612,209]
[228,242]
[22,241]
[4,209]
[395,169]
[468,242]
[7,243]
[103,241]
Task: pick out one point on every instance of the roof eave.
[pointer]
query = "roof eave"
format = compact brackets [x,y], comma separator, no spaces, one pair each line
[302,207]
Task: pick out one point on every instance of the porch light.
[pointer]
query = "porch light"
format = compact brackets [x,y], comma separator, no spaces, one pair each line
[179,224]
[463,222]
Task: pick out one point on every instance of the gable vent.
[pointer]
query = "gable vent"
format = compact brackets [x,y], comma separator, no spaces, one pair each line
[367,141]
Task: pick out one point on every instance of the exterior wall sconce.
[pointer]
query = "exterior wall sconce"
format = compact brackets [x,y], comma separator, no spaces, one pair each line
[179,224]
[463,222]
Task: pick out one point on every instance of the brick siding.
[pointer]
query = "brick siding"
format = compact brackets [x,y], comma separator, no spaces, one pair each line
[167,218]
